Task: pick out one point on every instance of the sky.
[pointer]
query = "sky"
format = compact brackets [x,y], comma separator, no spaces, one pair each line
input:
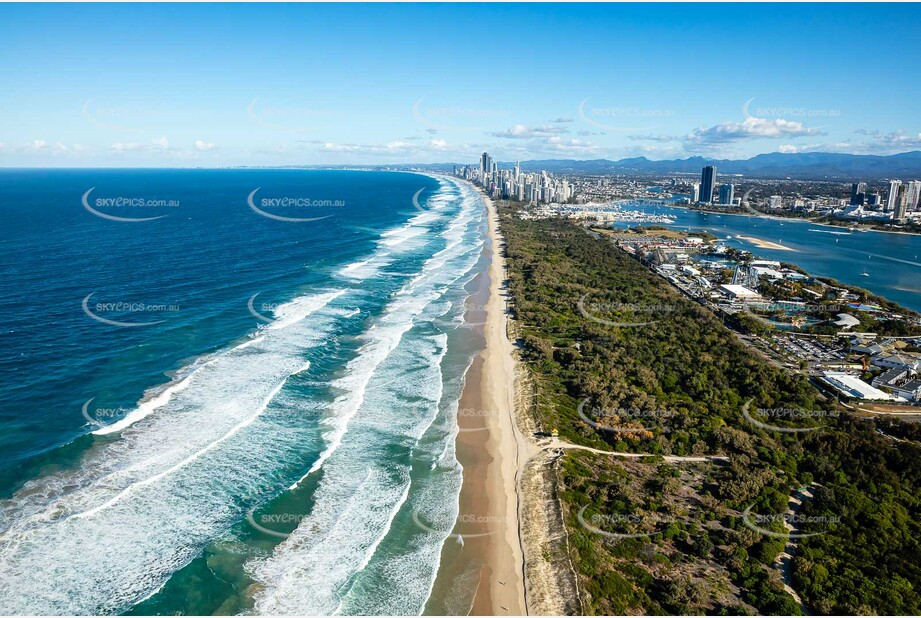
[174,85]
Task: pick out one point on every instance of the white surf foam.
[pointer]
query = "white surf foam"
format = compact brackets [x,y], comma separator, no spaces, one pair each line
[300,308]
[98,538]
[147,406]
[330,561]
[364,486]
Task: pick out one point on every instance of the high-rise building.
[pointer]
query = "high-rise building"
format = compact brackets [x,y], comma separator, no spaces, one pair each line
[858,193]
[892,200]
[727,192]
[913,194]
[535,188]
[900,210]
[707,184]
[695,192]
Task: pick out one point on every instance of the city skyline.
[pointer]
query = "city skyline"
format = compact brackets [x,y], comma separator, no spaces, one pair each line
[150,85]
[542,188]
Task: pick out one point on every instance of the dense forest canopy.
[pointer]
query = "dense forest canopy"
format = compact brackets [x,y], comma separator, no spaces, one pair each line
[676,381]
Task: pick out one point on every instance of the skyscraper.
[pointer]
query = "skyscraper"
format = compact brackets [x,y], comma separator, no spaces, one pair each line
[892,200]
[485,165]
[913,193]
[858,193]
[727,192]
[707,183]
[900,210]
[695,192]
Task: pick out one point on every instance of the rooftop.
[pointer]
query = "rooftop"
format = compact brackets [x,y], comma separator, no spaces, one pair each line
[852,386]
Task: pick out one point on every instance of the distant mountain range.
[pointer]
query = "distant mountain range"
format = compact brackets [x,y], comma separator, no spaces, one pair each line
[813,165]
[807,165]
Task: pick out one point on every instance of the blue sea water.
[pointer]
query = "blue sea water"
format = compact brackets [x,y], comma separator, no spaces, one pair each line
[219,410]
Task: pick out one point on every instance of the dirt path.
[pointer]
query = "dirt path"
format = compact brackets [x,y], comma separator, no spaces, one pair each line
[556,443]
[784,560]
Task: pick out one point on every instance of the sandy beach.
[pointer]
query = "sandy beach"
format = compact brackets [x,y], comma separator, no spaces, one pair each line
[764,244]
[505,557]
[482,563]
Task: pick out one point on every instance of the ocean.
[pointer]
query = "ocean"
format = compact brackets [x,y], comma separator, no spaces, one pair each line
[231,391]
[892,262]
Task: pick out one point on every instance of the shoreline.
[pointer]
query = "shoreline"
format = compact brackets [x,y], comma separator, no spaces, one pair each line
[481,571]
[851,226]
[765,244]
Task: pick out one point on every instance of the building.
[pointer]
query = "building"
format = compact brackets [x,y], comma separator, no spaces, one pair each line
[695,192]
[912,194]
[846,320]
[887,378]
[910,390]
[534,188]
[892,200]
[766,272]
[902,207]
[727,193]
[852,386]
[896,361]
[858,193]
[707,184]
[739,292]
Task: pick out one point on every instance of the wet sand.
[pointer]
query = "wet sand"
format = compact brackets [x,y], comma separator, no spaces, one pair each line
[481,570]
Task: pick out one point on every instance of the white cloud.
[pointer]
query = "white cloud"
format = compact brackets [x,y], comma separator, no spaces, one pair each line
[654,138]
[896,141]
[878,143]
[521,131]
[44,147]
[161,143]
[750,128]
[203,145]
[402,148]
[556,146]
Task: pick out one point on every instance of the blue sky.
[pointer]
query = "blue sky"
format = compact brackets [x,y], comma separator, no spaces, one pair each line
[213,85]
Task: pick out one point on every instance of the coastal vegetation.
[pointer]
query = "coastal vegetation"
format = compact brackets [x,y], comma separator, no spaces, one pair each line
[622,362]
